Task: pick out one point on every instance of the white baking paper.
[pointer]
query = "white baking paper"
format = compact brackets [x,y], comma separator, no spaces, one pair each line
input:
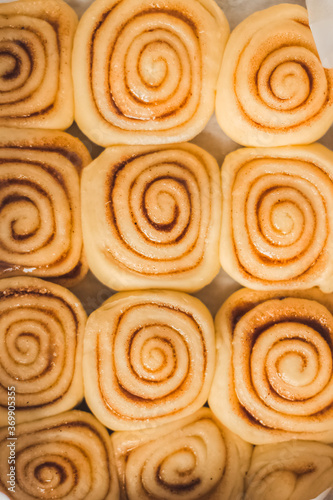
[321,24]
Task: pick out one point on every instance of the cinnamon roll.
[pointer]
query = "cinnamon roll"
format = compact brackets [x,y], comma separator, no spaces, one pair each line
[67,456]
[149,358]
[145,71]
[40,218]
[274,370]
[170,461]
[151,217]
[41,334]
[272,89]
[277,226]
[296,470]
[36,89]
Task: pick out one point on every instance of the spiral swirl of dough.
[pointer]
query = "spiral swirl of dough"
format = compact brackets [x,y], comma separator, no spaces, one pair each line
[273,89]
[41,330]
[40,223]
[280,368]
[64,456]
[149,358]
[171,461]
[155,216]
[296,469]
[283,198]
[35,53]
[145,72]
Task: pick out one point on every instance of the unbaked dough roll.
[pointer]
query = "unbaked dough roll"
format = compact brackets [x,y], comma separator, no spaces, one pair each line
[68,456]
[272,88]
[145,71]
[75,276]
[40,222]
[296,470]
[36,89]
[192,458]
[274,368]
[151,217]
[41,334]
[277,222]
[149,358]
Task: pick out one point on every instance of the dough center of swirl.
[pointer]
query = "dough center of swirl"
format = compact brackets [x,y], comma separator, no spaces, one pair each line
[283,85]
[175,469]
[49,474]
[162,200]
[51,471]
[153,353]
[285,217]
[153,65]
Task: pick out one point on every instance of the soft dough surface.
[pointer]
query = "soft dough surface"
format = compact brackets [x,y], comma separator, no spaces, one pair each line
[193,458]
[41,333]
[151,217]
[296,470]
[274,370]
[40,221]
[149,358]
[36,88]
[145,71]
[272,88]
[277,217]
[68,456]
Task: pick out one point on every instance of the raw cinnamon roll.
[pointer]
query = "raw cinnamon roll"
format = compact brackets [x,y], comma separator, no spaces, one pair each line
[277,225]
[149,358]
[40,221]
[41,332]
[193,458]
[272,88]
[274,371]
[36,87]
[296,470]
[151,217]
[67,456]
[145,71]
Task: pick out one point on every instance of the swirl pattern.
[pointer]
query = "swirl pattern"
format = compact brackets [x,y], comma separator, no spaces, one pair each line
[273,89]
[56,457]
[171,461]
[283,198]
[36,88]
[295,470]
[41,332]
[155,216]
[274,376]
[40,222]
[149,358]
[145,72]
